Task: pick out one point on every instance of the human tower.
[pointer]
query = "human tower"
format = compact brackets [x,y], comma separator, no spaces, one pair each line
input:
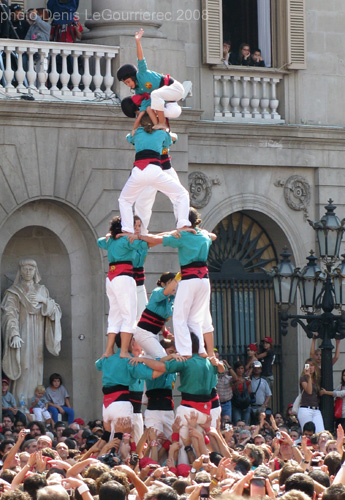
[185,296]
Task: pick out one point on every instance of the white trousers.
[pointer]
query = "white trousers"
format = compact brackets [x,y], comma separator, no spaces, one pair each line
[152,176]
[138,426]
[141,300]
[173,92]
[145,201]
[122,295]
[161,420]
[116,410]
[215,414]
[149,342]
[191,314]
[308,415]
[181,412]
[41,414]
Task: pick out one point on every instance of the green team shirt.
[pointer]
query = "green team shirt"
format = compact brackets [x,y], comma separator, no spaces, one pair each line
[118,371]
[165,381]
[139,256]
[191,247]
[121,249]
[161,304]
[198,376]
[147,80]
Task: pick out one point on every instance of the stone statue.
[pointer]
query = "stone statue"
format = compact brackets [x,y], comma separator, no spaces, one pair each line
[29,318]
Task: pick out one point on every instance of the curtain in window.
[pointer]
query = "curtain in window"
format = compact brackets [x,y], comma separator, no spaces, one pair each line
[264,30]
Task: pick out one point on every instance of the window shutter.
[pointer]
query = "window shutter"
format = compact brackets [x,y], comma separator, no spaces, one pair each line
[296,34]
[212,14]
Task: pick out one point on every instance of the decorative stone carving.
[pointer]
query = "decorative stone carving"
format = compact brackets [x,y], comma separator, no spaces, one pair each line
[296,193]
[200,188]
[30,319]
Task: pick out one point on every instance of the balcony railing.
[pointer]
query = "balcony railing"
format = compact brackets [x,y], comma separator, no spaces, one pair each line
[244,94]
[44,70]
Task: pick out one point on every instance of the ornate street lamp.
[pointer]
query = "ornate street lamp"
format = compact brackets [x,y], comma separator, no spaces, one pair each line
[319,289]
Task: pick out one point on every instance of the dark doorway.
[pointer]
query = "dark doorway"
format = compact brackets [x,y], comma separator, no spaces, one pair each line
[240,23]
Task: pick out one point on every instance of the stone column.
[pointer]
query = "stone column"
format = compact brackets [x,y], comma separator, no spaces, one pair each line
[110,19]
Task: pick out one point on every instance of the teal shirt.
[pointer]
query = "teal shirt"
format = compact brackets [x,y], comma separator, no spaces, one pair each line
[198,375]
[121,249]
[137,386]
[145,104]
[139,256]
[161,304]
[118,371]
[165,381]
[147,80]
[157,141]
[191,247]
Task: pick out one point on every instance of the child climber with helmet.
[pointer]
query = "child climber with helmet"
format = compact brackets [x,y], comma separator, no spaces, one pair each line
[143,81]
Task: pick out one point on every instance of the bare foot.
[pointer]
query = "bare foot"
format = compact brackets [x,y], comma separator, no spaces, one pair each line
[160,126]
[125,355]
[107,354]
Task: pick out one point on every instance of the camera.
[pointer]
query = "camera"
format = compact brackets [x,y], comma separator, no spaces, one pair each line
[307,366]
[109,459]
[227,427]
[205,492]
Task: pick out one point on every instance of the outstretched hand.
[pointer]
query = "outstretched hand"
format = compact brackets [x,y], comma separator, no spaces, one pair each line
[139,34]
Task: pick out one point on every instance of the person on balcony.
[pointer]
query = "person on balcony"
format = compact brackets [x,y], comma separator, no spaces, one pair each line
[19,23]
[39,30]
[4,19]
[256,59]
[67,33]
[242,57]
[226,52]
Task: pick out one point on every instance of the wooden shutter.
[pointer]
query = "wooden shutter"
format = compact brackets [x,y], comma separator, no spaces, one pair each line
[296,31]
[212,31]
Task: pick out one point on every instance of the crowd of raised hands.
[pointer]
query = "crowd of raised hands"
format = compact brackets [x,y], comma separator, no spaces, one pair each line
[221,465]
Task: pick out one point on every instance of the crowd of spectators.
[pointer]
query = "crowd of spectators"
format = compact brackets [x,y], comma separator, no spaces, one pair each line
[262,455]
[243,57]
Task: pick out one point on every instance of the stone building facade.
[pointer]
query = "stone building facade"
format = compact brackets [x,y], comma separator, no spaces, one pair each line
[260,148]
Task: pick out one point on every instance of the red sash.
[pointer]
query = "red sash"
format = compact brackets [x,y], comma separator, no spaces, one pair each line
[112,397]
[194,272]
[119,270]
[166,80]
[204,407]
[142,164]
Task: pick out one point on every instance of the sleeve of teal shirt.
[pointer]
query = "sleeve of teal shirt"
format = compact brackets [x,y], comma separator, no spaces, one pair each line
[140,371]
[171,241]
[158,296]
[130,139]
[174,366]
[145,104]
[167,140]
[103,243]
[99,364]
[142,66]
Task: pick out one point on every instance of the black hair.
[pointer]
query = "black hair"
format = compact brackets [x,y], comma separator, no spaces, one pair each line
[38,424]
[256,50]
[237,364]
[334,492]
[194,217]
[115,227]
[33,483]
[129,107]
[321,477]
[163,280]
[309,426]
[127,71]
[54,376]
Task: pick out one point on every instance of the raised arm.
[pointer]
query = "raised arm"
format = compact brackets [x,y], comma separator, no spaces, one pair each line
[140,53]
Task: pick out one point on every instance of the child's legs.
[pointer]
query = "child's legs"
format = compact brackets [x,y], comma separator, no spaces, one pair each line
[130,192]
[172,110]
[70,414]
[143,207]
[173,92]
[215,414]
[54,413]
[200,309]
[155,419]
[138,426]
[149,343]
[176,193]
[38,414]
[172,172]
[182,305]
[123,306]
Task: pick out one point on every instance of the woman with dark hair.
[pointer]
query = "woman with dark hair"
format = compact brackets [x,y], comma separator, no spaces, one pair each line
[120,286]
[192,302]
[241,389]
[58,399]
[309,410]
[339,392]
[242,57]
[158,310]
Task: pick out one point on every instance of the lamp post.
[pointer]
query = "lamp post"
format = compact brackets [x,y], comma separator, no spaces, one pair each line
[320,290]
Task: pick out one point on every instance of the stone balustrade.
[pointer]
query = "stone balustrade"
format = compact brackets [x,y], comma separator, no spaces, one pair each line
[69,71]
[246,94]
